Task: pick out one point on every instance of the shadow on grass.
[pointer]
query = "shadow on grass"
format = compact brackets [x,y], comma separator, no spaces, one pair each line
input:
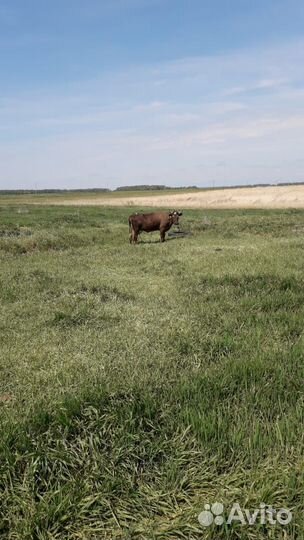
[158,241]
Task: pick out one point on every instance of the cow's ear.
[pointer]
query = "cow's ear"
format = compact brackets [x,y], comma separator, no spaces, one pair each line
[180,213]
[170,214]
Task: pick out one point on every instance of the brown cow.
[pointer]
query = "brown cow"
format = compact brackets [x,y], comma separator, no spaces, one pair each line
[157,221]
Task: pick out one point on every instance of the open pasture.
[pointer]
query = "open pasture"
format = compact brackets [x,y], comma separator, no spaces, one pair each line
[255,197]
[140,382]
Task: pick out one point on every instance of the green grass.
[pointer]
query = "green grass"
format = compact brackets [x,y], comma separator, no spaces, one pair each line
[138,383]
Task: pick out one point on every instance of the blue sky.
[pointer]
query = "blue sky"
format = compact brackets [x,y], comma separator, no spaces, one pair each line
[113,92]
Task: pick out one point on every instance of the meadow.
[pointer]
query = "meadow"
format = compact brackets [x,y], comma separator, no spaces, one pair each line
[76,198]
[138,383]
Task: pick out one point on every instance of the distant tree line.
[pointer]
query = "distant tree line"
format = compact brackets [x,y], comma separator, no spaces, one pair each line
[41,191]
[142,187]
[151,187]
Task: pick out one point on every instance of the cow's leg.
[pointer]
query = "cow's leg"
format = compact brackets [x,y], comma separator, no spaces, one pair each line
[162,235]
[132,236]
[135,233]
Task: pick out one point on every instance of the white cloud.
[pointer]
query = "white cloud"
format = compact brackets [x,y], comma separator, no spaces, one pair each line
[263,84]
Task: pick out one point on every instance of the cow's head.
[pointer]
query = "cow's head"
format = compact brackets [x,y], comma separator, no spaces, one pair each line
[174,216]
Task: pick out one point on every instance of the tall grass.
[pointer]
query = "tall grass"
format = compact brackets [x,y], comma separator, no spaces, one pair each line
[140,382]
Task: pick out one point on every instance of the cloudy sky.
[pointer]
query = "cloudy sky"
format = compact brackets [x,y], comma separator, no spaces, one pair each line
[103,93]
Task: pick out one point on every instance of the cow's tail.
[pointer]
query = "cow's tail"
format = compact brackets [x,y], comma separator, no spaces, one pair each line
[130,225]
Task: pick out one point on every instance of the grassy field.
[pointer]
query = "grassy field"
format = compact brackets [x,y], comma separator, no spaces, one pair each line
[246,197]
[138,383]
[71,196]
